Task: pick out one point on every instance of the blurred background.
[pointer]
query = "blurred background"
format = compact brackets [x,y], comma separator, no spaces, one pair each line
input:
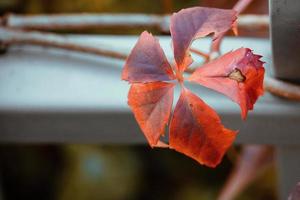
[118,172]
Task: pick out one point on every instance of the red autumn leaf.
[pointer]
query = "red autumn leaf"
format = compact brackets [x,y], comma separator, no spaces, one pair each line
[147,62]
[196,130]
[151,104]
[238,75]
[189,24]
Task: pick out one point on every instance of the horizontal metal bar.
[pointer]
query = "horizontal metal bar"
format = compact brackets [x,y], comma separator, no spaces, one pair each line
[56,96]
[120,127]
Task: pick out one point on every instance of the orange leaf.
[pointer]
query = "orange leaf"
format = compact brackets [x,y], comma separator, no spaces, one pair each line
[238,75]
[196,131]
[147,62]
[189,24]
[151,104]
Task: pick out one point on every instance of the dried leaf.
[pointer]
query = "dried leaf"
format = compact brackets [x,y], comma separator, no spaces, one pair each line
[189,24]
[147,62]
[238,75]
[196,131]
[151,104]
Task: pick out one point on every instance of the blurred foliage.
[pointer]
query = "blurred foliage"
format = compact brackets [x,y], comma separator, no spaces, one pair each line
[124,6]
[94,6]
[93,172]
[114,172]
[116,6]
[30,172]
[262,188]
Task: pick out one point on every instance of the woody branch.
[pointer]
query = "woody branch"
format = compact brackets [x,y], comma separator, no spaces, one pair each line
[11,34]
[84,21]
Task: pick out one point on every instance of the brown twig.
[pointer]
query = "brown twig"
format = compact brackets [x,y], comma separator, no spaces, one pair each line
[282,88]
[241,5]
[253,161]
[200,53]
[9,36]
[274,86]
[83,21]
[238,7]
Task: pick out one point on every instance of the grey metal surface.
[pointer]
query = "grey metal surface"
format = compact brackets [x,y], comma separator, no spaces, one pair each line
[119,127]
[289,169]
[55,96]
[285,34]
